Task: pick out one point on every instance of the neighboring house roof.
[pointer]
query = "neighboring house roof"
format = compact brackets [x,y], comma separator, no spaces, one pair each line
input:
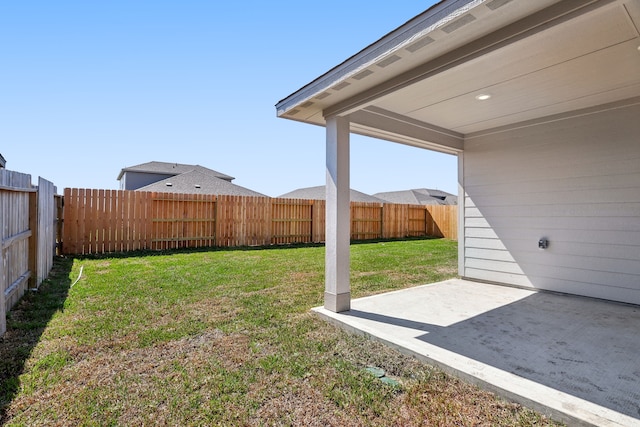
[419,196]
[319,193]
[2,161]
[197,182]
[172,168]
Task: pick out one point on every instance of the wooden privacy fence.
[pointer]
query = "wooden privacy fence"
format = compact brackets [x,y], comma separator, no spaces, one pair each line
[27,236]
[103,221]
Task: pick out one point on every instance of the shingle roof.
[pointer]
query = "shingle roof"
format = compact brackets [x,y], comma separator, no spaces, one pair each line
[319,193]
[419,196]
[197,182]
[172,168]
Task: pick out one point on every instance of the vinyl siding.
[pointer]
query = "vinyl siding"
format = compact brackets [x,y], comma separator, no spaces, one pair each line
[575,182]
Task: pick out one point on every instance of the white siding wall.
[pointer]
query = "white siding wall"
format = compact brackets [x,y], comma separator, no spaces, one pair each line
[574,181]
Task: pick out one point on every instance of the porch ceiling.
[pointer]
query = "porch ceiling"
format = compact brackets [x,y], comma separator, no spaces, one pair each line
[419,84]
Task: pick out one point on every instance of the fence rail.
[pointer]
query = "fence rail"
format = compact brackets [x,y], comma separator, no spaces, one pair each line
[102,221]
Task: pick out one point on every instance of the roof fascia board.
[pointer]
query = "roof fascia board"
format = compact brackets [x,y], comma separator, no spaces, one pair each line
[390,122]
[211,172]
[525,27]
[436,16]
[151,172]
[148,171]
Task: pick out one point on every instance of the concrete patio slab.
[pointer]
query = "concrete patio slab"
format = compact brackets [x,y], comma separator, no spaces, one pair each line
[574,359]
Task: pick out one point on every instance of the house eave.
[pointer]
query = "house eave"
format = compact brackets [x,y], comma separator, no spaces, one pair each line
[477,46]
[413,31]
[433,33]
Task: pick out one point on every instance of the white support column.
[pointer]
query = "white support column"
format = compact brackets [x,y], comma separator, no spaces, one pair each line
[461,216]
[337,296]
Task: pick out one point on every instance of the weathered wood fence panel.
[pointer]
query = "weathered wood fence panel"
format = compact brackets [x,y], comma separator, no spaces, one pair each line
[15,191]
[46,230]
[99,221]
[27,236]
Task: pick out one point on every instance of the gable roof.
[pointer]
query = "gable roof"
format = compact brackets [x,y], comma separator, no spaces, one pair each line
[419,196]
[172,169]
[320,193]
[197,182]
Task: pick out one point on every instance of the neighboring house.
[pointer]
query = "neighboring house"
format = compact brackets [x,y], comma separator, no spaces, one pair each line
[320,193]
[180,178]
[138,176]
[418,196]
[3,162]
[539,100]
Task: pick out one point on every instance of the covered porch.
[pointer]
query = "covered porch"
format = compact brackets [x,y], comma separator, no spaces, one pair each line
[539,101]
[572,358]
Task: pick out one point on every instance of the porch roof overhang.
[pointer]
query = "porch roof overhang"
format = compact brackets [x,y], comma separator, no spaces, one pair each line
[420,84]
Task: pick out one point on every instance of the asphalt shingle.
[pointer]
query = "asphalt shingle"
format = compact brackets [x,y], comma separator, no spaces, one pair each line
[419,196]
[319,193]
[196,182]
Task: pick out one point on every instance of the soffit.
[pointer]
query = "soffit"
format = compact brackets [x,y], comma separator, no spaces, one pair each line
[590,60]
[579,57]
[444,27]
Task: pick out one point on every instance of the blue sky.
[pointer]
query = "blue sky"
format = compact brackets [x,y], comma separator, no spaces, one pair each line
[90,87]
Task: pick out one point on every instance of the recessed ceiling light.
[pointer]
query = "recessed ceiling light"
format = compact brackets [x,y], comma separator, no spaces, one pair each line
[483,97]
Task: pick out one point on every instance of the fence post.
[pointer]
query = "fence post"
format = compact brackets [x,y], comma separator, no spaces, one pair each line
[59,224]
[311,217]
[3,265]
[382,220]
[33,240]
[216,223]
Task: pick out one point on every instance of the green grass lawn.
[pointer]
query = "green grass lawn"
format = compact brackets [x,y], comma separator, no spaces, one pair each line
[226,338]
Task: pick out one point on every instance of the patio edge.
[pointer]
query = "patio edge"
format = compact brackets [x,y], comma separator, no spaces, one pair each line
[569,414]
